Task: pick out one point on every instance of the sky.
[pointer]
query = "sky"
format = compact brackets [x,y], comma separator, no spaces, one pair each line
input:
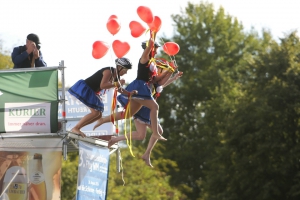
[68,28]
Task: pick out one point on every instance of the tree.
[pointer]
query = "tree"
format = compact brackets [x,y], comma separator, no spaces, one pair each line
[69,176]
[5,59]
[214,51]
[260,157]
[138,181]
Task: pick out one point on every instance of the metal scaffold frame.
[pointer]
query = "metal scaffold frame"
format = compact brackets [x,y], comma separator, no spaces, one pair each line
[69,139]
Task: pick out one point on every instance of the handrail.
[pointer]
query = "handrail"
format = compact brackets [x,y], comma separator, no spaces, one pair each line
[32,69]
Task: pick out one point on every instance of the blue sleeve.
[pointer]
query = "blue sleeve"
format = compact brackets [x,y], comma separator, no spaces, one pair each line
[16,57]
[40,61]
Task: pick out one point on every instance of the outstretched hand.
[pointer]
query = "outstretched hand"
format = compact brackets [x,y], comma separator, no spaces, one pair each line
[178,75]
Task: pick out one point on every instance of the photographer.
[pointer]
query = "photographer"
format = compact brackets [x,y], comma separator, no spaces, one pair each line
[29,55]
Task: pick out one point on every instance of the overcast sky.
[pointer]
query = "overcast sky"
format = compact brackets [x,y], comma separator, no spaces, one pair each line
[68,28]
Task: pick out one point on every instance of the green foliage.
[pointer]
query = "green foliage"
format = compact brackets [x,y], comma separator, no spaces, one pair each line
[213,51]
[138,181]
[69,176]
[232,120]
[5,59]
[260,158]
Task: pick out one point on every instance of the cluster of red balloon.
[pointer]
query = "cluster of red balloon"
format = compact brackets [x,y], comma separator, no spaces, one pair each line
[154,23]
[120,48]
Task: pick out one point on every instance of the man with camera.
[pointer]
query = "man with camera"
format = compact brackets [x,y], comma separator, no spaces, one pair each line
[29,55]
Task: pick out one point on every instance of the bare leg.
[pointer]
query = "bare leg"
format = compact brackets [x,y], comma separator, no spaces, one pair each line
[106,119]
[153,106]
[93,120]
[151,144]
[85,120]
[117,116]
[139,134]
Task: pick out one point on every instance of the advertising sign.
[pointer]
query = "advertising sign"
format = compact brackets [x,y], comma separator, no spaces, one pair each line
[27,117]
[92,172]
[28,101]
[30,169]
[75,110]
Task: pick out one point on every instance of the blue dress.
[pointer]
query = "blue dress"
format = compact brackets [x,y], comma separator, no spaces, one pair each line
[86,95]
[143,114]
[87,90]
[142,85]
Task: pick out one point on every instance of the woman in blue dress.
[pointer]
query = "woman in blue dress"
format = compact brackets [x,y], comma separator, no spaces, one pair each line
[142,121]
[87,91]
[146,77]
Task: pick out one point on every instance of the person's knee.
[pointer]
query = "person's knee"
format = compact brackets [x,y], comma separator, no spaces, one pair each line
[141,136]
[97,114]
[155,106]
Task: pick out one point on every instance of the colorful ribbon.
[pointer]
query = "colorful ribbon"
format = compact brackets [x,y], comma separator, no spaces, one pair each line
[128,116]
[113,110]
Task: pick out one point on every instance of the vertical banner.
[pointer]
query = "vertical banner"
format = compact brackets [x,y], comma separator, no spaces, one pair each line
[92,172]
[75,110]
[30,169]
[29,101]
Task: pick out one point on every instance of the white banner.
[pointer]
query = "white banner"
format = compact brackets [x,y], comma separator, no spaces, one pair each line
[27,117]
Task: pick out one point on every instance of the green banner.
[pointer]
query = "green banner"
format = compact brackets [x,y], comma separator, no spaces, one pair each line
[29,101]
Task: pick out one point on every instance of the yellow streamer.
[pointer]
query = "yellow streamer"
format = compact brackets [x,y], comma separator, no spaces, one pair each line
[113,111]
[128,114]
[164,64]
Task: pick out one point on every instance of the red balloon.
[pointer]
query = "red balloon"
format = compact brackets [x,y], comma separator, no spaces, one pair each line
[155,24]
[171,48]
[112,17]
[145,14]
[120,48]
[113,26]
[99,49]
[137,29]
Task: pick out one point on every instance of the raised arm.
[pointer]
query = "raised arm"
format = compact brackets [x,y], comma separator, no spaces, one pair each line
[145,56]
[171,80]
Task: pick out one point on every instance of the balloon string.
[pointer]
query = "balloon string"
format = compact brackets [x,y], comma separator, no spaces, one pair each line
[172,58]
